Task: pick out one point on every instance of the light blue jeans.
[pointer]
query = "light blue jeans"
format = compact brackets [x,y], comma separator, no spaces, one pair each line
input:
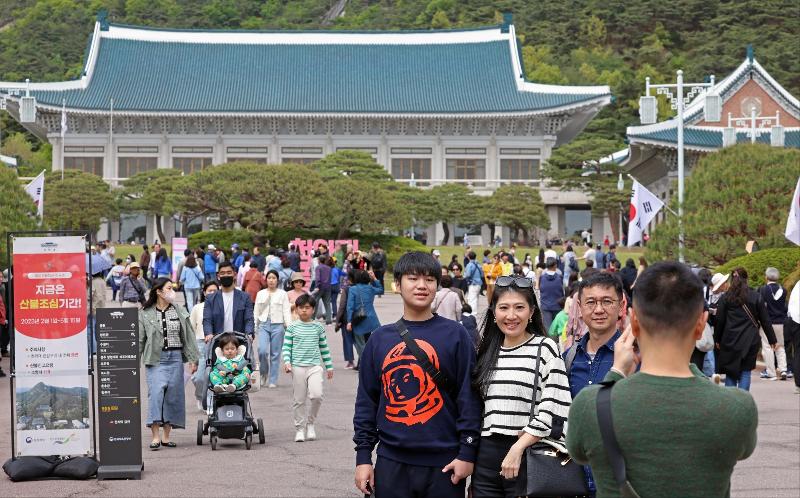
[165,393]
[709,364]
[199,378]
[270,344]
[743,382]
[192,297]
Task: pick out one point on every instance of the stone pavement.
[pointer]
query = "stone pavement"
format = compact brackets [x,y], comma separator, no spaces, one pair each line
[324,468]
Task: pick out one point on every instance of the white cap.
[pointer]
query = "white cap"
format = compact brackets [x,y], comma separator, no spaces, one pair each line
[436,252]
[717,280]
[212,247]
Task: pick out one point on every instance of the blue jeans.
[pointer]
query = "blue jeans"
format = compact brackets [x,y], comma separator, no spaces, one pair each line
[347,345]
[709,364]
[270,343]
[192,297]
[165,392]
[743,382]
[334,299]
[200,377]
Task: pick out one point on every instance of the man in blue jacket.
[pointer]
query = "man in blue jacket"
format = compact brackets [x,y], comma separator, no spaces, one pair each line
[427,432]
[210,263]
[229,310]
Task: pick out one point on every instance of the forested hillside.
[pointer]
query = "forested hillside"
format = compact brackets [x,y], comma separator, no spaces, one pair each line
[614,42]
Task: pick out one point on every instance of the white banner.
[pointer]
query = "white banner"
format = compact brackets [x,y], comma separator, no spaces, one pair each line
[52,403]
[793,223]
[644,207]
[35,189]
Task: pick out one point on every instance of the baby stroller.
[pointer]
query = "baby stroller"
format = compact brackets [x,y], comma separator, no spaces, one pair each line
[229,414]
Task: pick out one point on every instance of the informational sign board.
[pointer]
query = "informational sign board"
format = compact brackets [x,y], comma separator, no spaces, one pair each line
[179,245]
[119,419]
[306,249]
[52,409]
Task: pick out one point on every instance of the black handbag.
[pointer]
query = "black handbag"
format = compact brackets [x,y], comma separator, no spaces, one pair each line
[360,313]
[545,471]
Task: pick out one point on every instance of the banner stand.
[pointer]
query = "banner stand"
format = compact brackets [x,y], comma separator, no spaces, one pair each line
[12,323]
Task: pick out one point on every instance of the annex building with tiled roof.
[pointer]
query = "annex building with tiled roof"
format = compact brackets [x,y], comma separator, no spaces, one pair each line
[432,106]
[754,108]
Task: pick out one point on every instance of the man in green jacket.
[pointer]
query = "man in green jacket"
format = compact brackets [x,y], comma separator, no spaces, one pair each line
[679,433]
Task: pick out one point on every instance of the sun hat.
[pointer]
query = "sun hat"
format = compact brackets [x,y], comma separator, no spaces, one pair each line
[134,265]
[717,280]
[298,276]
[436,252]
[212,247]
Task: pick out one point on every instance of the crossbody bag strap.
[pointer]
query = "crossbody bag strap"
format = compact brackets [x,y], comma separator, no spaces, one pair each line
[750,315]
[610,443]
[441,380]
[536,380]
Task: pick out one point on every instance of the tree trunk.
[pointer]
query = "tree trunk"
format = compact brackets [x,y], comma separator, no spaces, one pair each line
[525,240]
[160,229]
[446,230]
[342,233]
[492,228]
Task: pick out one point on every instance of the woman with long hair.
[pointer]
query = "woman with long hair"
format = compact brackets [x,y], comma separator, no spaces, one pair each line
[191,279]
[740,313]
[163,264]
[273,313]
[166,342]
[515,355]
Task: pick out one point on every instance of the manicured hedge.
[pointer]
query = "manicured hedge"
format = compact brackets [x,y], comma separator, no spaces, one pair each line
[786,260]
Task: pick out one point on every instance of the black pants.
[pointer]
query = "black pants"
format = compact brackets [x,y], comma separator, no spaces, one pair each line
[791,338]
[5,337]
[401,480]
[486,480]
[379,276]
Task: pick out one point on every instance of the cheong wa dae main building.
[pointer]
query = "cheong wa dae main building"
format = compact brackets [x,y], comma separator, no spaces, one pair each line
[443,106]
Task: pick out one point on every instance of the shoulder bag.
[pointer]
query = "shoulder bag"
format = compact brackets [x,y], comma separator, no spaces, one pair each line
[441,380]
[548,472]
[750,316]
[360,313]
[610,443]
[706,341]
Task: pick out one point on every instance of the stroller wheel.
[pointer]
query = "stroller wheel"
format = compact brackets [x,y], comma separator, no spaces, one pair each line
[262,437]
[199,433]
[213,441]
[248,440]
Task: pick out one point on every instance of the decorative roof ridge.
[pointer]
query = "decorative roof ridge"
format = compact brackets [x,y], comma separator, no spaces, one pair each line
[306,37]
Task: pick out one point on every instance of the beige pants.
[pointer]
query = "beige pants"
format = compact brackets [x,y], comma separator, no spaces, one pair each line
[770,356]
[307,384]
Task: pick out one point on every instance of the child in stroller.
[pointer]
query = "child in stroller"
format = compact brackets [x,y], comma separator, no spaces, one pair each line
[230,370]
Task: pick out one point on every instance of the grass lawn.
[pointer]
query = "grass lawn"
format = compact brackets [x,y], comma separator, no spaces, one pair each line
[448,252]
[122,250]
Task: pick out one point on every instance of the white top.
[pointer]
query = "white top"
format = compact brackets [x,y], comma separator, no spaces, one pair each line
[590,254]
[227,303]
[447,304]
[196,319]
[507,405]
[273,306]
[549,253]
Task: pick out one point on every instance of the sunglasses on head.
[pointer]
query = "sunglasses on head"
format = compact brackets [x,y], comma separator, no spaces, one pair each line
[519,282]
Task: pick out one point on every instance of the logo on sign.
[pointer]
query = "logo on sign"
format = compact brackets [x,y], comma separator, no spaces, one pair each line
[116,315]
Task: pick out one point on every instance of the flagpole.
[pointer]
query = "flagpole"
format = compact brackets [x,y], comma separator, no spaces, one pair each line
[63,136]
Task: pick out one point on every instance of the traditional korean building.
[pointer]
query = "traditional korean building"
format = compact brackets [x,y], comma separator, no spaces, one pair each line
[754,107]
[438,106]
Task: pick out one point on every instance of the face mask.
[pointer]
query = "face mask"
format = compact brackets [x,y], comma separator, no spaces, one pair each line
[226,281]
[169,296]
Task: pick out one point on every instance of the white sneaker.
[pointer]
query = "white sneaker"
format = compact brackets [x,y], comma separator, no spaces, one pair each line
[311,434]
[200,406]
[219,388]
[272,386]
[299,436]
[229,388]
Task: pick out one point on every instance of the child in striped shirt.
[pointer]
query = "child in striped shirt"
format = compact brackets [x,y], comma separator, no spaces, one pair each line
[303,347]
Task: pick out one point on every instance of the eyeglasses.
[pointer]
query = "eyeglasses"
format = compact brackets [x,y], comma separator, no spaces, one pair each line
[508,280]
[591,304]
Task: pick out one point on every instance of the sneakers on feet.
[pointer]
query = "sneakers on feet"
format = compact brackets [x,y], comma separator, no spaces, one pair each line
[349,366]
[229,388]
[219,388]
[789,375]
[299,436]
[272,386]
[311,434]
[200,406]
[2,373]
[784,376]
[764,374]
[263,379]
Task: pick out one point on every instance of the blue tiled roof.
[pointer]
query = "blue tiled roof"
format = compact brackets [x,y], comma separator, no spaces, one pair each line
[359,78]
[694,136]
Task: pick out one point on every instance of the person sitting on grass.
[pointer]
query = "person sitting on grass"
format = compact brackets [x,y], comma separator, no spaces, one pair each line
[230,371]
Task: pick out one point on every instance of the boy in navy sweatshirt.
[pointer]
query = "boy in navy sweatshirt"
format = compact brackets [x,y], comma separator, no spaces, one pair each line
[427,438]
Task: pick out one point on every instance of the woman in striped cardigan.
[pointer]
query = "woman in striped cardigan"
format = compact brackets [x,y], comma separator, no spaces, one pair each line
[513,339]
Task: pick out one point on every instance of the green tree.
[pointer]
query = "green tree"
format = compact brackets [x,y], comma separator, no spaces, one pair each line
[30,162]
[17,211]
[360,204]
[737,194]
[354,164]
[576,166]
[148,192]
[454,203]
[256,196]
[518,207]
[81,201]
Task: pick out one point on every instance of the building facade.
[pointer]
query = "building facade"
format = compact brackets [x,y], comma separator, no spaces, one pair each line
[432,106]
[754,108]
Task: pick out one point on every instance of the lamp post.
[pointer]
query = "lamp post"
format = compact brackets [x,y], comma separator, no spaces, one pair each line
[648,113]
[620,188]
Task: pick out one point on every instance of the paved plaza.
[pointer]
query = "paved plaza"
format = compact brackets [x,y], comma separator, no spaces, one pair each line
[324,468]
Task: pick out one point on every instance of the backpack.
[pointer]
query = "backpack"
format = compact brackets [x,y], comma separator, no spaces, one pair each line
[379,261]
[573,265]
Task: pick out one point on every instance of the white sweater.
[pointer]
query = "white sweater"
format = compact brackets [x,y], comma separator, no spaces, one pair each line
[507,404]
[273,306]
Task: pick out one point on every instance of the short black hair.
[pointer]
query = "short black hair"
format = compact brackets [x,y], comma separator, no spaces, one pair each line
[417,263]
[225,264]
[446,281]
[471,255]
[227,338]
[187,252]
[668,297]
[305,299]
[361,277]
[603,279]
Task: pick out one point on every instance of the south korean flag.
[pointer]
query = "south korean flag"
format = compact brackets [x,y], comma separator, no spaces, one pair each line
[644,207]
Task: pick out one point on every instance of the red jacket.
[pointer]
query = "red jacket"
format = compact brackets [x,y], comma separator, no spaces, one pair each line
[253,282]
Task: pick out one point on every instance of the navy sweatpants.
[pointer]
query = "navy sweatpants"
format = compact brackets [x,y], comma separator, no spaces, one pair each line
[401,480]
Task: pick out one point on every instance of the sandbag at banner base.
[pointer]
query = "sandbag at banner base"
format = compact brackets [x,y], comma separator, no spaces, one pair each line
[31,468]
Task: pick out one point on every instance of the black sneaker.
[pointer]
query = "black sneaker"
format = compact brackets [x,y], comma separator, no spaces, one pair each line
[4,353]
[2,373]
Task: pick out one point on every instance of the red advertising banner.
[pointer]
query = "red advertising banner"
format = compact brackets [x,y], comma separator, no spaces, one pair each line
[52,404]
